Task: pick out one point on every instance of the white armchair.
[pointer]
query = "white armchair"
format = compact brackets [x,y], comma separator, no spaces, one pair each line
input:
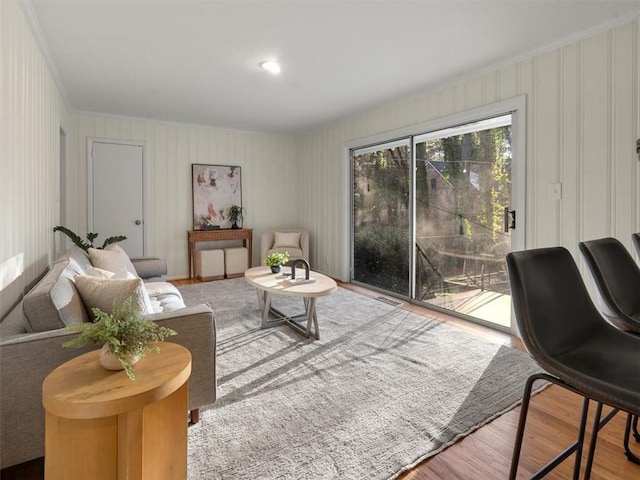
[292,240]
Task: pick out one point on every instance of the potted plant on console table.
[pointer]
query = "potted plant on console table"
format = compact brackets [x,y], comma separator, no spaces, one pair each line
[236,214]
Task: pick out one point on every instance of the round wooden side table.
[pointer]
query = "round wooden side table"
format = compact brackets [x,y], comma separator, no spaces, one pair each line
[101,425]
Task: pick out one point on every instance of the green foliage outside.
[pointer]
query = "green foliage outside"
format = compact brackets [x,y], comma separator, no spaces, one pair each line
[382,258]
[463,183]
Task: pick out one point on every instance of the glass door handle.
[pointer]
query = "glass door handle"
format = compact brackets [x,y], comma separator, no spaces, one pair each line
[509,219]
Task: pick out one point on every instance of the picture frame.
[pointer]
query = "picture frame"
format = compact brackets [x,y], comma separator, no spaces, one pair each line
[215,188]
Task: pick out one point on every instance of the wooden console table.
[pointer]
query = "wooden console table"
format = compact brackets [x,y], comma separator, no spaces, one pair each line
[101,425]
[195,236]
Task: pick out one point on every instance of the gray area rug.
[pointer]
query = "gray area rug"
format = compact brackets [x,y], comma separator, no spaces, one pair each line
[382,390]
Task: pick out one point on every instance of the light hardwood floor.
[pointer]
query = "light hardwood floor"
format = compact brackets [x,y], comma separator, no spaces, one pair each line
[551,426]
[486,453]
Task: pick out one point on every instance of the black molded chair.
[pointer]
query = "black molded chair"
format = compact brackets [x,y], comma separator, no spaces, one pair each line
[617,280]
[636,241]
[566,335]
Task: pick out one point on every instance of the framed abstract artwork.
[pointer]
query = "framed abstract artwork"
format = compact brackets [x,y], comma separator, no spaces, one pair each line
[215,189]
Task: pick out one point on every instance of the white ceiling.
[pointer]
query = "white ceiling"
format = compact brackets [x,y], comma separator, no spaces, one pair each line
[197,62]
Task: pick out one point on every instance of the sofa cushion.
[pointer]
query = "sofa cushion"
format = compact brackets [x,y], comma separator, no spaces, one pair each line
[164,296]
[14,323]
[113,259]
[150,267]
[54,302]
[98,292]
[162,288]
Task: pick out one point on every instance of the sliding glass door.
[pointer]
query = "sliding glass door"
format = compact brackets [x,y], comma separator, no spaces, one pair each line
[462,219]
[433,217]
[381,216]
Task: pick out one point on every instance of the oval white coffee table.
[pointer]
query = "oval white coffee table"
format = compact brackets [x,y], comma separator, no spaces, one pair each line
[268,284]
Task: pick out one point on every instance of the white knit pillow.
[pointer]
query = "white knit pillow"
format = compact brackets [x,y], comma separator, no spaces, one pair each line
[102,273]
[113,259]
[100,293]
[287,239]
[99,272]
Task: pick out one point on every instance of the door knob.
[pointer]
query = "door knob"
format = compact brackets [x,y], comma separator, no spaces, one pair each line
[138,222]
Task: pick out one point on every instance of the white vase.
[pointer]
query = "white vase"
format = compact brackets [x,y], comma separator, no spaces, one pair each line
[109,361]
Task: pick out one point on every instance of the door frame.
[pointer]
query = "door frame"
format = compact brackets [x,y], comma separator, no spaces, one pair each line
[145,203]
[516,106]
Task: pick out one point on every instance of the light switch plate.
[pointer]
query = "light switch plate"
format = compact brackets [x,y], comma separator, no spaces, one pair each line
[555,191]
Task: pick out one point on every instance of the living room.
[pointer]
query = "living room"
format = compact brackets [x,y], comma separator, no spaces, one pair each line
[582,108]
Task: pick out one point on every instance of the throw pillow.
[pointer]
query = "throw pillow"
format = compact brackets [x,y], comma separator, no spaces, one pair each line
[113,259]
[99,272]
[287,239]
[100,293]
[102,273]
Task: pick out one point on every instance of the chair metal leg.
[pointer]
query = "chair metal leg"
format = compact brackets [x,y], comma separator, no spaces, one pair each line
[598,424]
[636,434]
[524,408]
[594,440]
[574,447]
[632,422]
[580,441]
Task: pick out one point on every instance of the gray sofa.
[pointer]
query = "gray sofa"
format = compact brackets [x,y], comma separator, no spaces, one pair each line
[32,334]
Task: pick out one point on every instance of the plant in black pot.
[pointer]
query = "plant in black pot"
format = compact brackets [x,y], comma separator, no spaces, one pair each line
[275,260]
[236,214]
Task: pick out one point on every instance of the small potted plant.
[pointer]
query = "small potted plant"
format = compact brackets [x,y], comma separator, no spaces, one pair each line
[275,260]
[236,214]
[125,336]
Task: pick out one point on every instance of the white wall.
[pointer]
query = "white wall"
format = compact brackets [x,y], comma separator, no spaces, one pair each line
[31,113]
[268,164]
[582,124]
[583,120]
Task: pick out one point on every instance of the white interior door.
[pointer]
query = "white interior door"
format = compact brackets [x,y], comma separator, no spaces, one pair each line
[116,194]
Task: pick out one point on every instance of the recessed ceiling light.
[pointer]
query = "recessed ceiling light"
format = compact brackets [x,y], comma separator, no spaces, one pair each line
[270,66]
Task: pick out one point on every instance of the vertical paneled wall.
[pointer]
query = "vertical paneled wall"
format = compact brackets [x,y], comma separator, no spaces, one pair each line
[268,163]
[582,125]
[31,114]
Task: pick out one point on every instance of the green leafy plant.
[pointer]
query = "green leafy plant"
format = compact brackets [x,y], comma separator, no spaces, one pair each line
[236,213]
[78,241]
[275,259]
[124,330]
